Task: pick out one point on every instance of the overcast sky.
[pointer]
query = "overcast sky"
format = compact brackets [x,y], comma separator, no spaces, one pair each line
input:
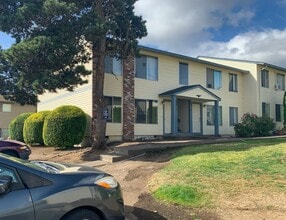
[244,29]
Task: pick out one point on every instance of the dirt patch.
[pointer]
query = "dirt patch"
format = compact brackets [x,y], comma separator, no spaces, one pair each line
[134,176]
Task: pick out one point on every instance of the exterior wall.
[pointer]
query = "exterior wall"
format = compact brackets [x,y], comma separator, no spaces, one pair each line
[7,117]
[168,78]
[254,93]
[249,83]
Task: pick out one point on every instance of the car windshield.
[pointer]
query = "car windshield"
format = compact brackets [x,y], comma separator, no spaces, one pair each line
[48,167]
[43,166]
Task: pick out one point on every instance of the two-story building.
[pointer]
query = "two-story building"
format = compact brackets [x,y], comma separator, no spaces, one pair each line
[264,87]
[170,94]
[8,111]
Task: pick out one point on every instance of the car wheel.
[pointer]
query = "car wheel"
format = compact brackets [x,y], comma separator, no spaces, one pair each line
[82,214]
[11,153]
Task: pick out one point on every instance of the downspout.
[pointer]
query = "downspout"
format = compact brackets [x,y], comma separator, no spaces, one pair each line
[174,115]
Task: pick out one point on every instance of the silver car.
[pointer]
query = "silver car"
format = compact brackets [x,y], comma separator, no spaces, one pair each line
[41,190]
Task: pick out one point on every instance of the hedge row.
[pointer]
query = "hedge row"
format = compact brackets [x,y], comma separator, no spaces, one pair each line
[62,128]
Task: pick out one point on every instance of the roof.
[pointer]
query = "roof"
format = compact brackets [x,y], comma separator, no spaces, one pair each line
[247,61]
[208,95]
[192,59]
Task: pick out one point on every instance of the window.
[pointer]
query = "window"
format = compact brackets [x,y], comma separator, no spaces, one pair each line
[265,78]
[4,133]
[265,109]
[113,105]
[233,116]
[147,68]
[232,82]
[279,113]
[280,81]
[146,111]
[183,74]
[8,171]
[211,115]
[213,79]
[113,65]
[6,107]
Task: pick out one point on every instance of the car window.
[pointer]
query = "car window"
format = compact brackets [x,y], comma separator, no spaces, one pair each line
[16,181]
[4,171]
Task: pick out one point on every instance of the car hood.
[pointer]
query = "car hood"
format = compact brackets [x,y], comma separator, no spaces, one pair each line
[53,167]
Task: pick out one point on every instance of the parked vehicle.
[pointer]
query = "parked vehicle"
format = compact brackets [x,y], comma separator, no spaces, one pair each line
[15,148]
[52,191]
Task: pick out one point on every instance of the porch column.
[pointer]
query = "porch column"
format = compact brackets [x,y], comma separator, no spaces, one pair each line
[216,118]
[174,115]
[190,117]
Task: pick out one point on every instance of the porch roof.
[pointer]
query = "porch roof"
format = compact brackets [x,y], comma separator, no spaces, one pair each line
[197,92]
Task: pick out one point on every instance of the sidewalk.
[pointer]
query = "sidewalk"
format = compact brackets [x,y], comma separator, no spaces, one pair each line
[129,150]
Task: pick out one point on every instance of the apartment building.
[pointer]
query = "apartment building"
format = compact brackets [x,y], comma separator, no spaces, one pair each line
[169,95]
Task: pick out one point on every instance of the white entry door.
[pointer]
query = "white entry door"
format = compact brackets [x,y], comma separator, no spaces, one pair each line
[196,116]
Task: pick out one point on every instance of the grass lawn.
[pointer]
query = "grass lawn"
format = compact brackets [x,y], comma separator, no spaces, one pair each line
[200,176]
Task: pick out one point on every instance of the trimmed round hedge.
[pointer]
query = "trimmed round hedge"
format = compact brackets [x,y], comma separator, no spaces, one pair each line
[16,126]
[33,128]
[64,127]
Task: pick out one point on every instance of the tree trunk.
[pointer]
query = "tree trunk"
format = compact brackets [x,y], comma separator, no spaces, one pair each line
[98,102]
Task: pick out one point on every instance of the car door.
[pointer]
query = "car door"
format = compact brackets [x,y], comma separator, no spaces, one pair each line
[16,202]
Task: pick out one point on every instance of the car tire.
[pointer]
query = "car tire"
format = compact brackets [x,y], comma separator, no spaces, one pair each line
[82,214]
[11,153]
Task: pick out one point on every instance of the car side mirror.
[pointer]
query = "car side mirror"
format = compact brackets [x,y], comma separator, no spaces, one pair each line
[5,182]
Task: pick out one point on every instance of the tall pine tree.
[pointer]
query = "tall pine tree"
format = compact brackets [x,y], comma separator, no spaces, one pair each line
[54,38]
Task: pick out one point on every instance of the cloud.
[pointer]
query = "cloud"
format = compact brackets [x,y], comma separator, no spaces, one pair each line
[182,24]
[265,46]
[187,27]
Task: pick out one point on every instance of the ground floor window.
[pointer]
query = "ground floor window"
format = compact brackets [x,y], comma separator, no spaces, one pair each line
[279,113]
[113,107]
[233,116]
[211,115]
[265,109]
[146,111]
[4,133]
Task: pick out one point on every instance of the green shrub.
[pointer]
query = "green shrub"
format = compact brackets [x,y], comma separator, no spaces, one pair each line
[16,126]
[33,128]
[64,127]
[264,126]
[253,126]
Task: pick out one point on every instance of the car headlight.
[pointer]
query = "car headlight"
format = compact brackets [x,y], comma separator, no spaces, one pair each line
[107,182]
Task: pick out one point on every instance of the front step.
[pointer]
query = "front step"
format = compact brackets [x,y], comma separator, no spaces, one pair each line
[111,158]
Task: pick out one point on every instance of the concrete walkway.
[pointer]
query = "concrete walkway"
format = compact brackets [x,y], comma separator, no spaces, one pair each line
[128,150]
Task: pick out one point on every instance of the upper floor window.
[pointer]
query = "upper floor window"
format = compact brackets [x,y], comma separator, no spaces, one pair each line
[146,67]
[214,79]
[232,82]
[279,113]
[280,82]
[233,116]
[113,105]
[146,111]
[183,74]
[265,109]
[113,65]
[6,107]
[211,115]
[265,78]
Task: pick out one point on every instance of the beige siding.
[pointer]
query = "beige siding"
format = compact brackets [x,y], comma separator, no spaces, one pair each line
[16,109]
